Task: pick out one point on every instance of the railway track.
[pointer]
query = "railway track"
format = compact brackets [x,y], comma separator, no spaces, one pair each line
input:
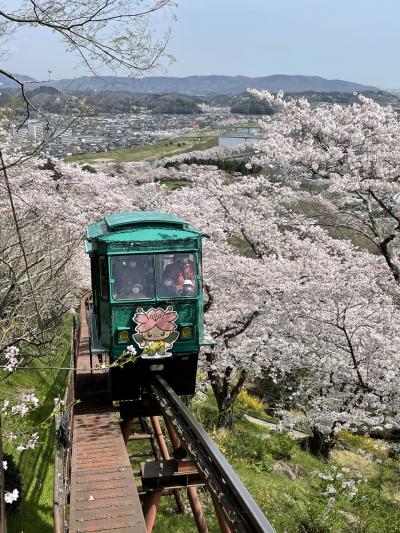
[95,485]
[103,495]
[227,491]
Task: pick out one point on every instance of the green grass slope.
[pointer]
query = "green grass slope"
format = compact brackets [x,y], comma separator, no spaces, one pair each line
[35,514]
[286,482]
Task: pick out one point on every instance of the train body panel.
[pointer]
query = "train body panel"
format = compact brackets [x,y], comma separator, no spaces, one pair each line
[147,294]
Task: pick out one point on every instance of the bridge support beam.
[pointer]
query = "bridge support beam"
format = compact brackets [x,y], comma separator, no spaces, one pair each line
[153,443]
[223,524]
[126,428]
[193,497]
[150,506]
[165,455]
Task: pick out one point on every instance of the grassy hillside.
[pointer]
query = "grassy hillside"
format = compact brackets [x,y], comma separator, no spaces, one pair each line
[287,482]
[35,514]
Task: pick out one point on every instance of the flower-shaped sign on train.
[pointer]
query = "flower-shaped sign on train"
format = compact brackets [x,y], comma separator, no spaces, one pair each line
[155,331]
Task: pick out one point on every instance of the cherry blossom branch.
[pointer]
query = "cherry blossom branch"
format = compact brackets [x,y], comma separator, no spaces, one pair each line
[84,30]
[384,206]
[18,230]
[28,103]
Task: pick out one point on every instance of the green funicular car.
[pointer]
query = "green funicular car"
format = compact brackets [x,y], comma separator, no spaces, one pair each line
[147,297]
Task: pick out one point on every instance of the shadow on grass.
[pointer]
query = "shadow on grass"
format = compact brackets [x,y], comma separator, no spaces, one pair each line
[29,519]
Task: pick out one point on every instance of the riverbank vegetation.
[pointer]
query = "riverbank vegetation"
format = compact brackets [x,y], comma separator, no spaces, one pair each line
[158,150]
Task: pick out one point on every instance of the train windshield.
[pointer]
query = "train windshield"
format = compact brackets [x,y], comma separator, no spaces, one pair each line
[133,277]
[176,275]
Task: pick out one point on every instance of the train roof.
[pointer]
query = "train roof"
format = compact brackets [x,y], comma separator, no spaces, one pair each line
[141,226]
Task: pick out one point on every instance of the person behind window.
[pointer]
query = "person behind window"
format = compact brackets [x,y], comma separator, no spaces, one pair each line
[181,269]
[118,273]
[187,288]
[168,289]
[127,273]
[137,292]
[123,291]
[119,265]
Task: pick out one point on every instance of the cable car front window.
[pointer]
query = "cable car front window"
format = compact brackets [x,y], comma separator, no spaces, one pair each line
[176,275]
[133,277]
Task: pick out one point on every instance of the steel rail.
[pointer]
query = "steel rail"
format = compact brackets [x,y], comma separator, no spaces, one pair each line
[241,511]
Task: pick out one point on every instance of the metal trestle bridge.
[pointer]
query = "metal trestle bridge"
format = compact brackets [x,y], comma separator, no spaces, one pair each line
[96,489]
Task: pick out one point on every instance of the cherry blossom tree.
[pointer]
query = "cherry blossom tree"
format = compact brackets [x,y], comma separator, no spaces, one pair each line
[354,150]
[287,299]
[341,331]
[35,274]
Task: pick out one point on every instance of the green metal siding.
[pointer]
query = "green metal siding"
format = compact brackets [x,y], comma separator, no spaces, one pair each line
[122,318]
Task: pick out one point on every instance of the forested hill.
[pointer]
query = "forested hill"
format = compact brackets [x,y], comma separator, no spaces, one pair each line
[204,85]
[91,102]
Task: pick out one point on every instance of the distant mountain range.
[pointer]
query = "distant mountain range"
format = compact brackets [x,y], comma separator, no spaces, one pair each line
[8,84]
[196,85]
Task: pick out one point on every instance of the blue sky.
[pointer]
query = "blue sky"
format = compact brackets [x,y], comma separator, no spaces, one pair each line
[356,40]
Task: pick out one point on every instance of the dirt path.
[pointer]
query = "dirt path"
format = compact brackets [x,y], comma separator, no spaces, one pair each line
[271,425]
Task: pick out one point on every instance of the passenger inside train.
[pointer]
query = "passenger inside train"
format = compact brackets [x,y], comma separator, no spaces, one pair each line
[134,279]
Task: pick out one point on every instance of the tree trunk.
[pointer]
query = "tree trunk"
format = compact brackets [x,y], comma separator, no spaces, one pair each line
[225,414]
[226,394]
[320,444]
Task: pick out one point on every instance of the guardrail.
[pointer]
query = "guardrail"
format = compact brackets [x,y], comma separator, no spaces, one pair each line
[227,490]
[63,431]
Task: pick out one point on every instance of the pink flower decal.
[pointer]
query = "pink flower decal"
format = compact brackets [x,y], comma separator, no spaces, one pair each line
[164,320]
[155,331]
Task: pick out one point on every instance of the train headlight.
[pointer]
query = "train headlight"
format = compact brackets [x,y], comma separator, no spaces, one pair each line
[123,336]
[186,332]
